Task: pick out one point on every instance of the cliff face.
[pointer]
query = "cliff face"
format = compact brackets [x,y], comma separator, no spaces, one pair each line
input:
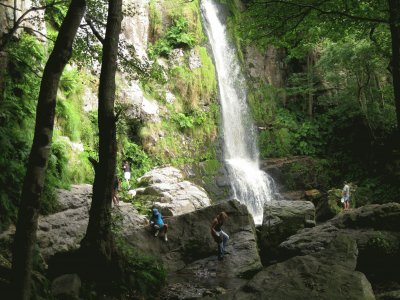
[267,66]
[135,28]
[34,22]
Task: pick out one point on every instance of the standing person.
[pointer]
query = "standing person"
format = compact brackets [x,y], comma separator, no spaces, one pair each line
[157,222]
[127,171]
[346,195]
[219,236]
[116,188]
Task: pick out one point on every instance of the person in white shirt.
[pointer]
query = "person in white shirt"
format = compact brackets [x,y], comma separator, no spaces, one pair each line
[346,195]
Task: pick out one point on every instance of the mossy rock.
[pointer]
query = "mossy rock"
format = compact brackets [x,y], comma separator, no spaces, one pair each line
[143,203]
[328,207]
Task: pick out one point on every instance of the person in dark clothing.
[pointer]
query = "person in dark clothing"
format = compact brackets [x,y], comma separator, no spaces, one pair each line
[220,237]
[116,188]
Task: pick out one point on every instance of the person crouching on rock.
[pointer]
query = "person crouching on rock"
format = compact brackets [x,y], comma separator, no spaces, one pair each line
[157,222]
[220,237]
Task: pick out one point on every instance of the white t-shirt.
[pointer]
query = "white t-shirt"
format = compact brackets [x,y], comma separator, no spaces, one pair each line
[346,192]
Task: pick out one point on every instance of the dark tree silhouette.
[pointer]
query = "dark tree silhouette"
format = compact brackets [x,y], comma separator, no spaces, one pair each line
[98,244]
[25,237]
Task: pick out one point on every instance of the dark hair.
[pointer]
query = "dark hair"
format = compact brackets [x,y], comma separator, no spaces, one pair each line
[222,215]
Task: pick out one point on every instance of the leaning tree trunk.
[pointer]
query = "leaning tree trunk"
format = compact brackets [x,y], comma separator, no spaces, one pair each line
[98,242]
[25,237]
[394,8]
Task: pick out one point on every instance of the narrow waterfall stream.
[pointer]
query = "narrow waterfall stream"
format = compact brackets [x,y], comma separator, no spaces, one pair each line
[250,185]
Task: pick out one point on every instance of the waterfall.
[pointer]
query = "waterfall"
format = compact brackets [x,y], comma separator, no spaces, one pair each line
[250,185]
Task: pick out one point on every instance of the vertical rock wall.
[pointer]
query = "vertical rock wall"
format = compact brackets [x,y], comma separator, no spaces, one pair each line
[267,65]
[135,29]
[34,22]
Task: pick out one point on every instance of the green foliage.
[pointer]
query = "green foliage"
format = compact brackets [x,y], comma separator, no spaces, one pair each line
[299,26]
[139,161]
[177,36]
[68,119]
[309,174]
[17,111]
[375,190]
[195,86]
[55,14]
[144,275]
[155,17]
[384,245]
[71,81]
[189,10]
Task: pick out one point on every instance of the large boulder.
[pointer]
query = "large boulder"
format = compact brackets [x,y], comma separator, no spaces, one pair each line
[66,287]
[282,219]
[376,230]
[190,255]
[166,189]
[328,207]
[63,230]
[329,274]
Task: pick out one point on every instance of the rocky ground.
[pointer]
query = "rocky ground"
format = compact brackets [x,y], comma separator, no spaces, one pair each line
[354,255]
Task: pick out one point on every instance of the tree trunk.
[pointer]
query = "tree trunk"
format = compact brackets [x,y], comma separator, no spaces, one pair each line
[25,237]
[98,242]
[394,8]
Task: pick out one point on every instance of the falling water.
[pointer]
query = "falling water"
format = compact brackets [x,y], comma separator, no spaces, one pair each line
[250,185]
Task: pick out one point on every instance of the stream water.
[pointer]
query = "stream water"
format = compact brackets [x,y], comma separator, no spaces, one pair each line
[250,185]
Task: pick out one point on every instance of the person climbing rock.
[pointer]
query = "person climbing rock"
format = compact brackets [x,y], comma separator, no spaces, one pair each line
[157,222]
[346,195]
[220,237]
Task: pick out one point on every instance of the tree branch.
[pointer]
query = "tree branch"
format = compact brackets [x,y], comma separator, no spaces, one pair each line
[375,42]
[326,12]
[9,6]
[38,32]
[94,30]
[7,37]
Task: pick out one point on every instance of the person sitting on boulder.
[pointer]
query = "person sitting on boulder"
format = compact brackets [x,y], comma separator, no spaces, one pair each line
[157,222]
[220,237]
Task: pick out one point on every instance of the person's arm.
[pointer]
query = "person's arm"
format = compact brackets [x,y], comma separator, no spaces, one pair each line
[213,231]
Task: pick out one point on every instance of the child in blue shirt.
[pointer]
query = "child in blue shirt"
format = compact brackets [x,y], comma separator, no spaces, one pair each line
[157,222]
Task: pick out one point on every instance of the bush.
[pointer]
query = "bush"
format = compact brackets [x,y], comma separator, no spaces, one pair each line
[139,161]
[177,36]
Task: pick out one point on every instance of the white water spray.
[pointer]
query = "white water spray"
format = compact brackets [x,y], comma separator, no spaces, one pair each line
[250,185]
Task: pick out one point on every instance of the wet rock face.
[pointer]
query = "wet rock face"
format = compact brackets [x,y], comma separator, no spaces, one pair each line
[191,254]
[268,66]
[170,193]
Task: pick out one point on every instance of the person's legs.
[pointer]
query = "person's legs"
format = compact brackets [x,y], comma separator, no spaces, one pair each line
[165,229]
[157,229]
[225,239]
[220,251]
[115,196]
